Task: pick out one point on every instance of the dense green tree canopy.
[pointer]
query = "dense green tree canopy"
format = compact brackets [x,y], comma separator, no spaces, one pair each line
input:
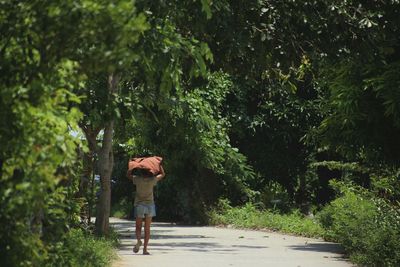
[245,100]
[47,49]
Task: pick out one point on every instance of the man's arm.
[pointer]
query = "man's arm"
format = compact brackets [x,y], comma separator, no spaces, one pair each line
[129,175]
[161,175]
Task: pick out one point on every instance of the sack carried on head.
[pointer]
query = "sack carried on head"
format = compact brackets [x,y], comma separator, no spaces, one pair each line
[149,166]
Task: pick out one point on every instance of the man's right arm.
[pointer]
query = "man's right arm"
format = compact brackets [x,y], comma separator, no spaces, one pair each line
[131,177]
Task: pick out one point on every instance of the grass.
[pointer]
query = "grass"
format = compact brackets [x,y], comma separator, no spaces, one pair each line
[81,248]
[249,217]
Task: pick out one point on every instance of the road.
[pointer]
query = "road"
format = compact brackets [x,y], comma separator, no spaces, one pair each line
[186,246]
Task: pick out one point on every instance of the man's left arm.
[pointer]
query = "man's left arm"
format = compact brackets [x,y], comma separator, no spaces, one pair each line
[161,175]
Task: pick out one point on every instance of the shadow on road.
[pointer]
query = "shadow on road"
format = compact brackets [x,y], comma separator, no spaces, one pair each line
[164,241]
[174,245]
[320,247]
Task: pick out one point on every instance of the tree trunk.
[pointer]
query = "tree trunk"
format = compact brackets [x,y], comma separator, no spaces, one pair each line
[91,196]
[105,166]
[84,185]
[87,178]
[302,196]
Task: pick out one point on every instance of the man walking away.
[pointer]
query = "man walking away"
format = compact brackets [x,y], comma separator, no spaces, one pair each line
[144,204]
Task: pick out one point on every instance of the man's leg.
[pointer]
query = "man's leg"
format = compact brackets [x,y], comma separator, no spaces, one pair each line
[146,233]
[139,221]
[139,228]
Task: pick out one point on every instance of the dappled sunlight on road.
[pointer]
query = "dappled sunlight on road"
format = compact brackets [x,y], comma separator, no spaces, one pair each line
[174,245]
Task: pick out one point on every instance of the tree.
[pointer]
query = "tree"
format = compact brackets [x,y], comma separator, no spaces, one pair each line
[318,51]
[156,63]
[47,49]
[192,134]
[273,104]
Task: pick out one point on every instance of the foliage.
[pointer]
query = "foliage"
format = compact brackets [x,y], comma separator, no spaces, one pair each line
[385,183]
[339,59]
[274,197]
[34,161]
[152,69]
[247,100]
[201,164]
[275,99]
[248,216]
[268,125]
[368,227]
[48,49]
[122,209]
[362,106]
[82,249]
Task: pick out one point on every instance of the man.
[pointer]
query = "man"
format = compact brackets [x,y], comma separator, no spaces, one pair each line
[144,205]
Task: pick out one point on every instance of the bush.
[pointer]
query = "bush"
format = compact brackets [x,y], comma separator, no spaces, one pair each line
[249,216]
[122,209]
[274,196]
[83,249]
[367,227]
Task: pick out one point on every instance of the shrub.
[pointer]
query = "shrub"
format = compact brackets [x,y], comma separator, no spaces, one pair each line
[367,227]
[82,249]
[274,196]
[122,209]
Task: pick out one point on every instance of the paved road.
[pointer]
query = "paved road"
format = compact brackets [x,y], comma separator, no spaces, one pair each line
[184,246]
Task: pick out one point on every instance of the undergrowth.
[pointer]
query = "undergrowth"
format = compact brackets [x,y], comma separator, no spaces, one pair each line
[248,216]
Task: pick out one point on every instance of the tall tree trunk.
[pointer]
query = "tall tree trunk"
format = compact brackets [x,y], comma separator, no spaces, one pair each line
[301,195]
[91,196]
[84,185]
[105,166]
[87,178]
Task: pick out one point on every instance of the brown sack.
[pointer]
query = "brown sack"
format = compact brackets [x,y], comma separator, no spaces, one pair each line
[150,164]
